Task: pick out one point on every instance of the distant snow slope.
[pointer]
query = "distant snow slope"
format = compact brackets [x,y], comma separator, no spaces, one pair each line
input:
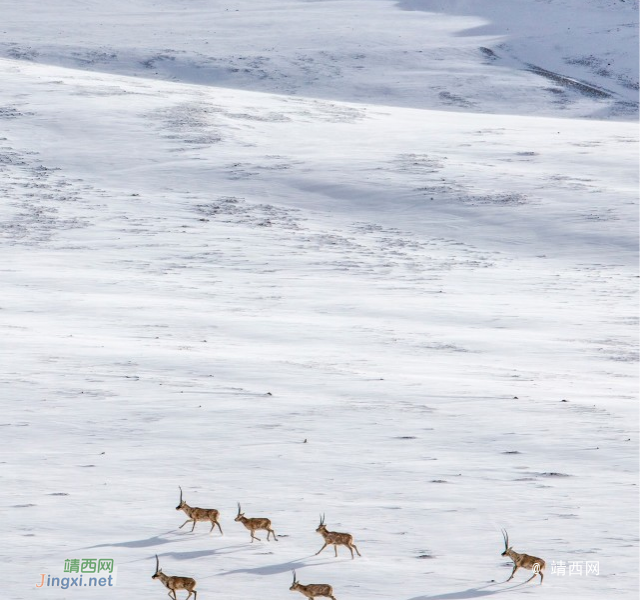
[196,279]
[588,47]
[560,57]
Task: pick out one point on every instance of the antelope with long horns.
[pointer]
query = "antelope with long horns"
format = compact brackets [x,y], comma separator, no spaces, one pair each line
[198,514]
[335,539]
[173,583]
[525,561]
[313,589]
[255,524]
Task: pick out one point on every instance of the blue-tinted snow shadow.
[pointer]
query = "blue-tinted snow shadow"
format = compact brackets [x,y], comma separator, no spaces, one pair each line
[156,540]
[179,556]
[201,553]
[477,592]
[285,567]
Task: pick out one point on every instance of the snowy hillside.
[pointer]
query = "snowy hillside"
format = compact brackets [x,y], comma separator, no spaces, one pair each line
[372,259]
[544,57]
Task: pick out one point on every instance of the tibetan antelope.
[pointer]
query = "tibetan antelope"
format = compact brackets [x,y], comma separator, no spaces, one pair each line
[523,560]
[254,524]
[173,583]
[313,589]
[198,514]
[336,539]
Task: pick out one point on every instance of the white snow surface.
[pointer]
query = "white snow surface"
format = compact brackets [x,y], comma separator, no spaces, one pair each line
[405,232]
[544,57]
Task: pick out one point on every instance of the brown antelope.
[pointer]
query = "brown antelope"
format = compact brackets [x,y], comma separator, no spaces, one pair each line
[523,560]
[313,589]
[254,524]
[173,583]
[337,539]
[198,514]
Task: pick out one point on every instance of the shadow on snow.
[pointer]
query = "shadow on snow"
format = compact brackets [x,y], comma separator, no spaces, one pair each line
[279,568]
[477,592]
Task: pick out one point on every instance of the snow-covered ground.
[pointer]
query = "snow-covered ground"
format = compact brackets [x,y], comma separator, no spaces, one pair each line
[405,232]
[572,58]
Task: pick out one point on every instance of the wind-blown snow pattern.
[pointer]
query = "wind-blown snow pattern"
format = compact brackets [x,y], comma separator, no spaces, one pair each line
[369,259]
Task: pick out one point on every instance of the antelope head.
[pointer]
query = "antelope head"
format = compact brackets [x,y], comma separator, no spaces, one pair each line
[295,584]
[322,527]
[240,513]
[182,503]
[507,549]
[158,569]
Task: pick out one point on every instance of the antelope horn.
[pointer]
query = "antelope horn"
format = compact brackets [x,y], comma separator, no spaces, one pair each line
[294,577]
[505,535]
[239,508]
[323,518]
[180,494]
[157,563]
